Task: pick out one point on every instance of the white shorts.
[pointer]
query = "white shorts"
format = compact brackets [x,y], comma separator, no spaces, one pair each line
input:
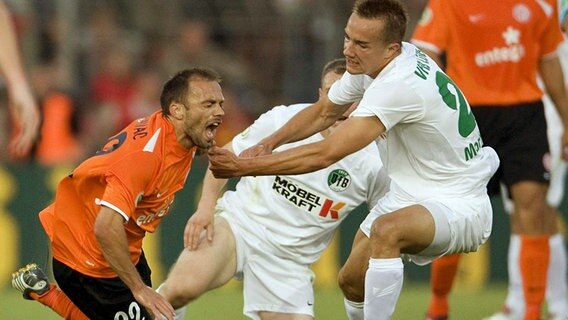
[270,282]
[462,225]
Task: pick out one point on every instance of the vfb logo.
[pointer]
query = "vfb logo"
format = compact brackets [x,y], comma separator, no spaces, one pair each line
[338,180]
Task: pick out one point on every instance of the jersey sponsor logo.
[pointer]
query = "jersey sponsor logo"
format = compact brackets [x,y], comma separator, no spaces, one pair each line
[338,180]
[306,199]
[331,209]
[513,52]
[521,13]
[150,217]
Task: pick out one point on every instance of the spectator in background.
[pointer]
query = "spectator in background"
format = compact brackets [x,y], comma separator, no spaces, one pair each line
[59,141]
[111,91]
[494,56]
[22,104]
[145,94]
[195,46]
[238,117]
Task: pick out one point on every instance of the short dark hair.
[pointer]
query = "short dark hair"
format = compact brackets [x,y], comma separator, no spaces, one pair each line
[176,89]
[336,66]
[390,11]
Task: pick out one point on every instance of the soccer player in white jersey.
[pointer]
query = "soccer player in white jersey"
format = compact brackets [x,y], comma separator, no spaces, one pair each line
[556,285]
[272,228]
[439,169]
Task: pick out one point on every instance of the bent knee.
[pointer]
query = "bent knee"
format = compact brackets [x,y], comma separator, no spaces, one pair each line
[352,286]
[179,295]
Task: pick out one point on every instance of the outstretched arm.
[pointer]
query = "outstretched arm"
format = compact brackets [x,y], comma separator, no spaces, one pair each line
[352,135]
[307,122]
[109,230]
[202,218]
[22,103]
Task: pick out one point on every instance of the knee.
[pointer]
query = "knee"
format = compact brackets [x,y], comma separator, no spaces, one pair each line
[384,232]
[178,295]
[352,285]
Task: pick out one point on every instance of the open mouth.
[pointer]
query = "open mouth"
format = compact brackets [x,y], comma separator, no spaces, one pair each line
[211,129]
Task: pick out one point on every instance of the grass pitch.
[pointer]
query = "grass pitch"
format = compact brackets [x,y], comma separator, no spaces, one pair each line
[226,304]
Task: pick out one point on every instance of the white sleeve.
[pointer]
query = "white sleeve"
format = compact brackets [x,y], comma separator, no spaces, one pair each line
[262,127]
[392,103]
[265,125]
[348,89]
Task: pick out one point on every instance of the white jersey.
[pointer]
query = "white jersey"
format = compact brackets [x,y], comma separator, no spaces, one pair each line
[434,148]
[300,213]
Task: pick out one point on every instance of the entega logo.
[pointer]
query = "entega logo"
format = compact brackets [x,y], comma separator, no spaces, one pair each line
[338,180]
[308,200]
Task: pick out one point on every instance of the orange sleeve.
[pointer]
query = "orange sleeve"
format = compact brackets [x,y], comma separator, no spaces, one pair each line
[432,30]
[552,35]
[129,178]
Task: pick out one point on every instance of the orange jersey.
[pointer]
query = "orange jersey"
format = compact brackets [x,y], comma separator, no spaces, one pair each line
[137,174]
[492,47]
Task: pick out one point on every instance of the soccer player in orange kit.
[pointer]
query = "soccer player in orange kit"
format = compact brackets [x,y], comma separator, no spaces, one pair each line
[103,209]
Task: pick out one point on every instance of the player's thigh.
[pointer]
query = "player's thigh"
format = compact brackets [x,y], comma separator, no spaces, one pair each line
[98,298]
[210,266]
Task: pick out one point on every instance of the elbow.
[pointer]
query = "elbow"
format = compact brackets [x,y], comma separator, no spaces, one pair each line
[324,160]
[100,230]
[103,229]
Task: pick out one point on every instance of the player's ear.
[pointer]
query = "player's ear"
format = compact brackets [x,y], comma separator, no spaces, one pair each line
[392,49]
[177,110]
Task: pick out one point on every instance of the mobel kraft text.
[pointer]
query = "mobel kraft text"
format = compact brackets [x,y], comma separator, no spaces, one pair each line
[306,199]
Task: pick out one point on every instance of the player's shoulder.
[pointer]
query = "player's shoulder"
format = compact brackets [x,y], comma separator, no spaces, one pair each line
[146,134]
[283,113]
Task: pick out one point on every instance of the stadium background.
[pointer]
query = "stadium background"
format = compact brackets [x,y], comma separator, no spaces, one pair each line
[97,53]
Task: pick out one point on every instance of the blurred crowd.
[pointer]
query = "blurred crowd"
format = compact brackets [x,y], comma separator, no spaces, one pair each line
[97,65]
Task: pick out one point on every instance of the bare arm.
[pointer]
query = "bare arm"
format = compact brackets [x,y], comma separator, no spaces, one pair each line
[352,135]
[307,122]
[551,73]
[109,230]
[203,217]
[22,103]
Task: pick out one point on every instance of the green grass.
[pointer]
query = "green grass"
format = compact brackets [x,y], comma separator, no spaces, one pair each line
[227,303]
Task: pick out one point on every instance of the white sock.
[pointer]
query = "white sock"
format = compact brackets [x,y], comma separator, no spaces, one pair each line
[179,314]
[515,301]
[383,282]
[556,297]
[353,309]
